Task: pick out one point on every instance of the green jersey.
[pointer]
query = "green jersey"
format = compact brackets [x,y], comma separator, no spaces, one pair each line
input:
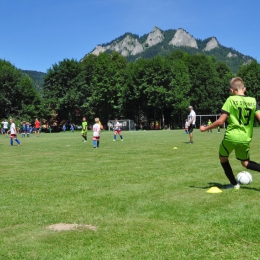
[241,112]
[84,126]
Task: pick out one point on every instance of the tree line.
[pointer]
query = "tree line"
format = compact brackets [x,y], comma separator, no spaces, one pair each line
[107,86]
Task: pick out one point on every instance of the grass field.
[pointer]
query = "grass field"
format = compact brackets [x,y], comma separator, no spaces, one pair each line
[147,200]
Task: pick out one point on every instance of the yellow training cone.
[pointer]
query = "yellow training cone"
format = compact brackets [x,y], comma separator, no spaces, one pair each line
[214,190]
[175,148]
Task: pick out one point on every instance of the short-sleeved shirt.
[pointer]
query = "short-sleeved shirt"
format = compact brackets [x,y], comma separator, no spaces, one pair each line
[96,130]
[5,125]
[192,114]
[117,126]
[37,124]
[241,111]
[12,129]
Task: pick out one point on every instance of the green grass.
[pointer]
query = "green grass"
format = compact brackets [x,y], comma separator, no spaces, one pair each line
[147,200]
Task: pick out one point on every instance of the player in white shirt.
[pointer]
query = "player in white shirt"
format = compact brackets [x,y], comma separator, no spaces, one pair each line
[13,133]
[191,123]
[117,130]
[96,133]
[5,127]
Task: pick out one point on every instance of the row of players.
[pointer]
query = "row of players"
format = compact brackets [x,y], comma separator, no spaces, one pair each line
[26,128]
[97,127]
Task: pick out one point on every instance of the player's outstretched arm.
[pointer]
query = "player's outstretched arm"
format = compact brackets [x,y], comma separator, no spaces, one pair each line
[215,124]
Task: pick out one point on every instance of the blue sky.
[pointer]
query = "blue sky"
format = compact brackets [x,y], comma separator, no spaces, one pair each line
[35,34]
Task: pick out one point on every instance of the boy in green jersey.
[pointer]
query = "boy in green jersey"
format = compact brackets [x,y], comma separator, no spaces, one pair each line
[239,111]
[84,129]
[209,123]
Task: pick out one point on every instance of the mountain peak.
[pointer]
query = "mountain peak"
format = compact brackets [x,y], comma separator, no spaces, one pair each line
[211,44]
[182,38]
[154,37]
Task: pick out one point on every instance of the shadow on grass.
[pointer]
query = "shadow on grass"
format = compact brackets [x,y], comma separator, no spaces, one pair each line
[210,184]
[248,188]
[221,186]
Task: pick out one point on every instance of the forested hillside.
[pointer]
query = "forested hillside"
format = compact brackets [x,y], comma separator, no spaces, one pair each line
[18,96]
[37,77]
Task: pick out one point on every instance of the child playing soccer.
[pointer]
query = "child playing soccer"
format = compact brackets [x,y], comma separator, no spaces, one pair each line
[27,128]
[96,133]
[239,111]
[37,127]
[5,127]
[24,128]
[72,128]
[209,123]
[186,127]
[84,129]
[117,130]
[13,133]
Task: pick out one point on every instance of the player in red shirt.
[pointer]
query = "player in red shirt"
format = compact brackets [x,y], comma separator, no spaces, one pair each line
[37,125]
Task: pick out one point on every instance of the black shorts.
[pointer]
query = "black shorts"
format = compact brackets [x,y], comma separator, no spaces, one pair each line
[190,128]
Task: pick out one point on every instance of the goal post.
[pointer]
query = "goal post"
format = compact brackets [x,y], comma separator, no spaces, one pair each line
[203,119]
[126,124]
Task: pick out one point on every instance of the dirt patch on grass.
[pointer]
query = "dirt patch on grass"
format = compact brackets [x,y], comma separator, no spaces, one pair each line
[67,227]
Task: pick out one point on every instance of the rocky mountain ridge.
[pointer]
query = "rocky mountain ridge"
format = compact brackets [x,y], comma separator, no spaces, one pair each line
[163,42]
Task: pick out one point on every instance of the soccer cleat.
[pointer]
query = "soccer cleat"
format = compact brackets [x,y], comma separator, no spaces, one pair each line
[114,140]
[84,141]
[122,139]
[191,142]
[231,186]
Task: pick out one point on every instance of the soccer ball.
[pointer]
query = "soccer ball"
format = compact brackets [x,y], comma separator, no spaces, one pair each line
[244,177]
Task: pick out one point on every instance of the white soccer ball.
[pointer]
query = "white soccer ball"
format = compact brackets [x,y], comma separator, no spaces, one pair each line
[244,177]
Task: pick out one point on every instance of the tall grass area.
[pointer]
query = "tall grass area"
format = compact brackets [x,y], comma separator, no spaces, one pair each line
[146,199]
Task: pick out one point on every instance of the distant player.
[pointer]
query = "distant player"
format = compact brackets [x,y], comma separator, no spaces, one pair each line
[96,133]
[37,126]
[186,127]
[209,123]
[239,111]
[117,130]
[84,129]
[191,123]
[72,128]
[5,127]
[27,128]
[13,133]
[24,129]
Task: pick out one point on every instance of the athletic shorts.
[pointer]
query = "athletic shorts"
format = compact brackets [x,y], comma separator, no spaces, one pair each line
[241,150]
[190,128]
[118,131]
[13,136]
[84,132]
[36,129]
[96,138]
